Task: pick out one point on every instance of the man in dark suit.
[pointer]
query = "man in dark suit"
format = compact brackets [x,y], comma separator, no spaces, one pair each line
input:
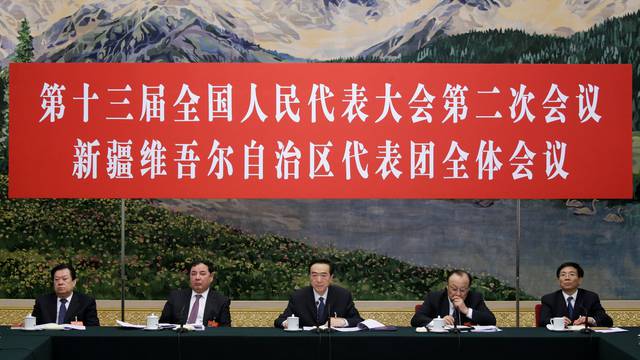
[65,305]
[456,304]
[200,304]
[571,303]
[315,305]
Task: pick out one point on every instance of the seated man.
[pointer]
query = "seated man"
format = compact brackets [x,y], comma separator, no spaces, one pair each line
[456,304]
[64,305]
[315,304]
[199,304]
[572,303]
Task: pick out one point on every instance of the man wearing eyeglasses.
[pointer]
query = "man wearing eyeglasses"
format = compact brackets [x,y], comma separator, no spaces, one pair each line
[456,304]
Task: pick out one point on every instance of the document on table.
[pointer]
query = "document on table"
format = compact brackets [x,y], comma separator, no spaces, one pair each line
[129,325]
[485,328]
[611,330]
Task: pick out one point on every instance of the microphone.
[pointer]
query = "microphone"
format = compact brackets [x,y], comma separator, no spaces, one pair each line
[181,328]
[455,329]
[587,329]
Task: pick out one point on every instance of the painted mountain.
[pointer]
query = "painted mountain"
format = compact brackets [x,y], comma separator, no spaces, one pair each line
[228,30]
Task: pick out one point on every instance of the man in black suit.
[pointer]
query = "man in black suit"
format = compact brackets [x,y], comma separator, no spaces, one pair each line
[456,304]
[571,303]
[65,305]
[315,305]
[200,304]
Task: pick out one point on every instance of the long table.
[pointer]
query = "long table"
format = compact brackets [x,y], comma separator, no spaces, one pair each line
[265,343]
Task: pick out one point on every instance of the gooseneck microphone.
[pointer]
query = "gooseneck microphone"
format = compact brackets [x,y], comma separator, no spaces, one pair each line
[587,329]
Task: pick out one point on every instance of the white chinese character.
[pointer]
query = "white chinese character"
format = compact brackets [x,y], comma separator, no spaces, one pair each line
[487,159]
[455,103]
[85,101]
[153,159]
[125,101]
[390,159]
[187,105]
[187,160]
[325,93]
[220,102]
[219,160]
[288,160]
[119,160]
[521,101]
[254,105]
[522,158]
[554,104]
[152,103]
[422,159]
[421,113]
[322,151]
[52,102]
[86,159]
[457,167]
[253,158]
[388,104]
[358,151]
[554,160]
[590,95]
[357,101]
[285,96]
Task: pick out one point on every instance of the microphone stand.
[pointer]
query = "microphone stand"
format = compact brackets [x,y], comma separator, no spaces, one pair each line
[587,329]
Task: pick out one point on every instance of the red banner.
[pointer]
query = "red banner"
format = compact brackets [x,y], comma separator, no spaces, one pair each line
[320,131]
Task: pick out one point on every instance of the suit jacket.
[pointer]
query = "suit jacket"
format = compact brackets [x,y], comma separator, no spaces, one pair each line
[176,309]
[554,305]
[302,304]
[437,303]
[81,306]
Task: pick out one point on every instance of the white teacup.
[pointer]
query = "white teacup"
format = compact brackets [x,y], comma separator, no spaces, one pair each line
[152,321]
[293,323]
[557,323]
[438,323]
[29,322]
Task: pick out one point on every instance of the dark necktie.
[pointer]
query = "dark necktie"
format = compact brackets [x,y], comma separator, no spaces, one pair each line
[456,316]
[194,310]
[62,311]
[320,309]
[570,307]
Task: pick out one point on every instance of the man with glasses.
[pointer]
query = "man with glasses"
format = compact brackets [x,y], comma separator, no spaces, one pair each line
[572,303]
[315,304]
[456,304]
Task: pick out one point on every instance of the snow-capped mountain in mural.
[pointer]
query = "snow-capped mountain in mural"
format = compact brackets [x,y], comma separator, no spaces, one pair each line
[148,34]
[310,29]
[451,17]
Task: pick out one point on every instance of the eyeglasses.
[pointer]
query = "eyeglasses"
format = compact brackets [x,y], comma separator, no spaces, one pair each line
[457,290]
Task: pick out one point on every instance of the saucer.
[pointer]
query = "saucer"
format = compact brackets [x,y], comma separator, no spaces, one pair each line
[293,329]
[442,330]
[549,327]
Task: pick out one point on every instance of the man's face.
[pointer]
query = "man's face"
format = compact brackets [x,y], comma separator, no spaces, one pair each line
[569,279]
[62,283]
[200,278]
[458,286]
[320,277]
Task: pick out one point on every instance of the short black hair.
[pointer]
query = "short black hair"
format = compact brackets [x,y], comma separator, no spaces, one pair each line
[573,265]
[208,264]
[62,267]
[322,261]
[459,272]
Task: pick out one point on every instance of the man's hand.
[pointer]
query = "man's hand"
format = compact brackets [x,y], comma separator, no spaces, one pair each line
[581,320]
[338,322]
[449,320]
[459,304]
